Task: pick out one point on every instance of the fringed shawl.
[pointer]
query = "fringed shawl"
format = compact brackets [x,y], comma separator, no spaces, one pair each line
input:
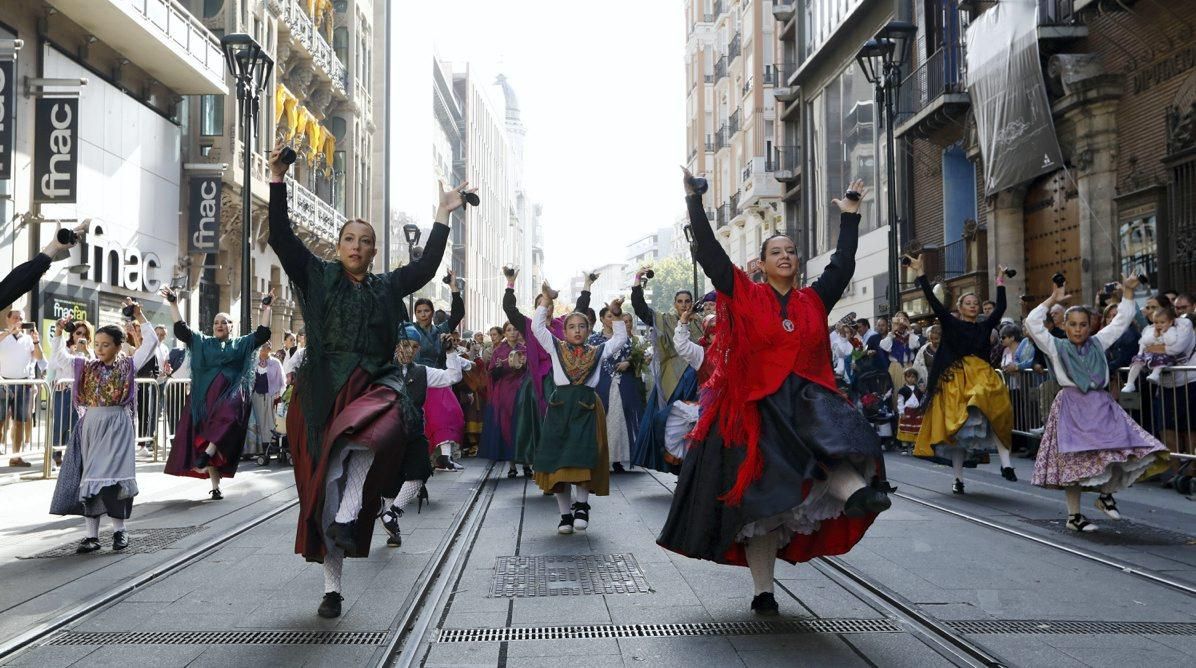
[212,357]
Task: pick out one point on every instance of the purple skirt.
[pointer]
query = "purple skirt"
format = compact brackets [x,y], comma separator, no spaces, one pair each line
[1091,441]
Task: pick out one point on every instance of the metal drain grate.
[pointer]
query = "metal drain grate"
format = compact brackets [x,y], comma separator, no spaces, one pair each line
[513,634]
[141,541]
[1071,627]
[1124,532]
[567,575]
[221,638]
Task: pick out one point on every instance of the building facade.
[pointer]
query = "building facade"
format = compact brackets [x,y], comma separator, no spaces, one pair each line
[731,133]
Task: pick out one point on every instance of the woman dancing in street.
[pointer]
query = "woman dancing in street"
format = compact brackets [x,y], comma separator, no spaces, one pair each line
[780,463]
[1089,443]
[211,432]
[573,451]
[99,473]
[445,420]
[968,409]
[345,424]
[508,366]
[619,389]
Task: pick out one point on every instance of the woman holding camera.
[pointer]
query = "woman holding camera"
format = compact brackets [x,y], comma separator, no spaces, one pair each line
[1089,442]
[508,366]
[345,426]
[98,474]
[968,409]
[781,465]
[211,432]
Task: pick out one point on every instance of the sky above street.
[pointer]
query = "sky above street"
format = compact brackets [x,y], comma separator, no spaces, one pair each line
[601,92]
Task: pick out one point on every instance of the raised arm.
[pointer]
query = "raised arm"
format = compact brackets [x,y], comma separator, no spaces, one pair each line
[540,329]
[838,272]
[456,310]
[448,376]
[640,306]
[183,333]
[292,253]
[618,337]
[707,250]
[508,306]
[413,276]
[22,278]
[1126,309]
[149,344]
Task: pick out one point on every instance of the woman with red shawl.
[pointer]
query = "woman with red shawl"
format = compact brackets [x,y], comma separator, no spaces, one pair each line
[346,424]
[780,461]
[508,366]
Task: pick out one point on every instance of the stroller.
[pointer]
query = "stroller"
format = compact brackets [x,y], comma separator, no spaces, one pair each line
[873,391]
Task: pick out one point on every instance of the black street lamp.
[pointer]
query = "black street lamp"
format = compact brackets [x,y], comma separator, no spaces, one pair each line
[881,59]
[251,67]
[412,233]
[693,258]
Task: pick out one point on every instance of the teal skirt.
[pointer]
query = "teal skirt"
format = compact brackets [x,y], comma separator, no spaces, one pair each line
[572,444]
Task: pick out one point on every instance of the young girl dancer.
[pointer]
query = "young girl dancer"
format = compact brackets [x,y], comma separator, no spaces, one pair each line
[1089,443]
[573,449]
[968,409]
[211,432]
[780,461]
[98,474]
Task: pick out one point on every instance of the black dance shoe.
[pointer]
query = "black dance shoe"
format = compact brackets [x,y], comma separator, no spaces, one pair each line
[617,467]
[120,540]
[88,545]
[203,461]
[581,516]
[765,604]
[512,473]
[330,607]
[342,535]
[445,463]
[216,495]
[1008,474]
[527,471]
[957,488]
[566,525]
[390,522]
[866,501]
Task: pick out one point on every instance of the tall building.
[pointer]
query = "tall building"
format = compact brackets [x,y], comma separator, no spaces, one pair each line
[647,250]
[731,72]
[100,140]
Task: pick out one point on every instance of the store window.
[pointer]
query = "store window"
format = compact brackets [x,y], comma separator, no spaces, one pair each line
[340,43]
[843,147]
[211,115]
[1138,248]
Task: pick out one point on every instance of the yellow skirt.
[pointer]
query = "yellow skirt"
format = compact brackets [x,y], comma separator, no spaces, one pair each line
[972,384]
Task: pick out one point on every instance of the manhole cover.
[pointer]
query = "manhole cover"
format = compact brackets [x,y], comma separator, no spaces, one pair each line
[567,575]
[141,541]
[220,638]
[517,633]
[1123,532]
[1071,627]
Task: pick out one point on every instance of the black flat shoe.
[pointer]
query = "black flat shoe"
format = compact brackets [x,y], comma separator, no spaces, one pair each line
[330,607]
[527,471]
[88,545]
[765,604]
[866,501]
[390,522]
[1008,474]
[512,473]
[120,540]
[342,535]
[617,467]
[216,495]
[957,488]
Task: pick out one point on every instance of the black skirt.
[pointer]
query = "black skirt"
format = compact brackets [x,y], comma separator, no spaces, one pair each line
[804,430]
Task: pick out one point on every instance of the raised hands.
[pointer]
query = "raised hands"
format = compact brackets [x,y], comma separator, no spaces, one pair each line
[850,204]
[616,307]
[451,200]
[686,315]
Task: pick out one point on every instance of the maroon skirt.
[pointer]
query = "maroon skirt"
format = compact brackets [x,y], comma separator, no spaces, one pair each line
[225,424]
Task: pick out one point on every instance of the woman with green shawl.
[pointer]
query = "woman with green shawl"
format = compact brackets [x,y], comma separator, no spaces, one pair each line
[211,431]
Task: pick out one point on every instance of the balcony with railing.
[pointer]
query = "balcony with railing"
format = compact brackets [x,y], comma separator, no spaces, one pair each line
[734,202]
[720,68]
[733,123]
[934,95]
[788,164]
[735,48]
[784,91]
[316,219]
[159,36]
[724,215]
[758,182]
[783,10]
[710,143]
[1059,24]
[770,75]
[718,8]
[302,30]
[722,138]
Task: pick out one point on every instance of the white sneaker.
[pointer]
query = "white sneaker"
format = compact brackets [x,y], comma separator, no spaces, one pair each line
[1129,388]
[1156,375]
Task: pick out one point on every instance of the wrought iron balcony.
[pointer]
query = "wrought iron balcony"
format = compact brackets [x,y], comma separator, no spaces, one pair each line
[770,75]
[734,202]
[725,214]
[1056,12]
[722,138]
[303,30]
[734,48]
[720,68]
[733,123]
[709,143]
[934,95]
[787,164]
[319,218]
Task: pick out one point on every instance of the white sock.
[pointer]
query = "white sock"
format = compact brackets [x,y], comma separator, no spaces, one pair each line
[358,466]
[1073,500]
[957,456]
[844,481]
[1003,453]
[407,493]
[211,449]
[762,560]
[117,523]
[446,449]
[93,526]
[581,493]
[564,502]
[214,477]
[1132,376]
[334,561]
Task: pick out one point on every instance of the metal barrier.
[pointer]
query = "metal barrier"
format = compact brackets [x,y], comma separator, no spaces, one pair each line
[1165,409]
[52,416]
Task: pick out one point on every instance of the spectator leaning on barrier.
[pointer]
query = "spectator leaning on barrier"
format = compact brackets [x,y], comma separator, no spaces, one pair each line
[20,349]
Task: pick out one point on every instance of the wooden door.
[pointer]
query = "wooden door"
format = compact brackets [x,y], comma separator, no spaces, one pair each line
[1051,234]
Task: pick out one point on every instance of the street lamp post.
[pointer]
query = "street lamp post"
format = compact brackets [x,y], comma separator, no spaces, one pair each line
[412,233]
[693,258]
[251,68]
[881,59]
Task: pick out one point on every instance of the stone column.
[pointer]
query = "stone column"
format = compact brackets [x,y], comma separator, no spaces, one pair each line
[1006,245]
